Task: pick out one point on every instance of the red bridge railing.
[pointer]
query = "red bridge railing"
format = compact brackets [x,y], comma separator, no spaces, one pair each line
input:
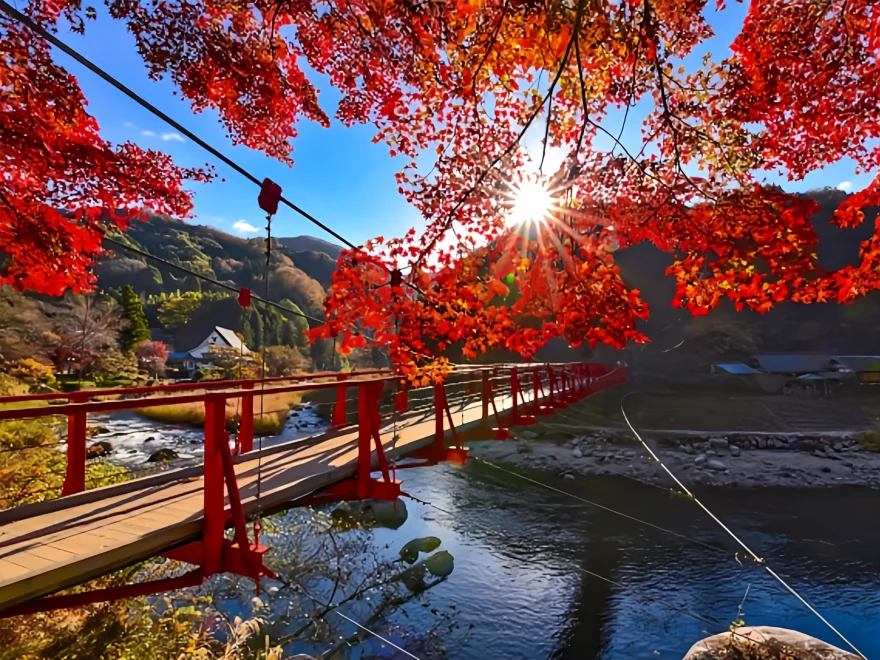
[550,386]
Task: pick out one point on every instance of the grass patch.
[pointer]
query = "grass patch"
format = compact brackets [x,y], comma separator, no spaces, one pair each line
[870,440]
[276,407]
[32,468]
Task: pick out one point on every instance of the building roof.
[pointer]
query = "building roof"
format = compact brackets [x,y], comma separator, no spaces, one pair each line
[793,363]
[858,362]
[736,368]
[219,337]
[178,355]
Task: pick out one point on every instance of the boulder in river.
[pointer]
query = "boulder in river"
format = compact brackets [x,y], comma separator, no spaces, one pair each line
[716,464]
[163,456]
[700,459]
[99,449]
[718,443]
[577,453]
[765,642]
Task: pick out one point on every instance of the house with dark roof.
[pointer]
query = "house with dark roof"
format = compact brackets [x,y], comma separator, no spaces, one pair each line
[200,357]
[865,368]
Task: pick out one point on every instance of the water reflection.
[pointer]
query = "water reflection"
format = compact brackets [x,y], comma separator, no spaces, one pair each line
[519,550]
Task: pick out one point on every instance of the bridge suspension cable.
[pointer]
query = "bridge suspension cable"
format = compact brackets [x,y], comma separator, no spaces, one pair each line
[758,560]
[94,68]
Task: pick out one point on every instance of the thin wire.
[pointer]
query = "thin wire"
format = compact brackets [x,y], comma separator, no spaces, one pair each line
[55,41]
[742,544]
[263,355]
[375,634]
[335,610]
[602,506]
[205,278]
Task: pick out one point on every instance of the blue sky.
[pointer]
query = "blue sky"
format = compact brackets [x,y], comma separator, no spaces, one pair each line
[339,175]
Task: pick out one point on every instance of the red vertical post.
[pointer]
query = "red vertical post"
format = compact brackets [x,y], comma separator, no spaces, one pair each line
[246,427]
[536,386]
[401,399]
[365,437]
[439,411]
[214,504]
[484,394]
[514,392]
[75,477]
[339,412]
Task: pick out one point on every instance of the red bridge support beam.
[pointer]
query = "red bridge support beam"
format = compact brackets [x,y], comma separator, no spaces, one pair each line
[75,477]
[214,504]
[518,398]
[401,398]
[362,486]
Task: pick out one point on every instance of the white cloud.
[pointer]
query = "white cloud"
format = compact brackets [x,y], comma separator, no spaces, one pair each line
[844,185]
[128,124]
[244,227]
[147,133]
[172,136]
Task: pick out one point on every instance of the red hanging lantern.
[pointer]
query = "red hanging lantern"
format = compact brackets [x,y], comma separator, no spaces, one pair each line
[270,195]
[244,297]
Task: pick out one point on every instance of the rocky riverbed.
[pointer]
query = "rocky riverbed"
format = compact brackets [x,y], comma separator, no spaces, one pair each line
[743,460]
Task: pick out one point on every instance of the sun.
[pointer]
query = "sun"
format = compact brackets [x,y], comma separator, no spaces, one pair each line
[532,202]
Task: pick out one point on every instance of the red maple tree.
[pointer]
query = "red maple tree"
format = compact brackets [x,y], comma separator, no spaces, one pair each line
[465,80]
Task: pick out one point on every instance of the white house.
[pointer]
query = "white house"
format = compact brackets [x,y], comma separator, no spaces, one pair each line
[200,356]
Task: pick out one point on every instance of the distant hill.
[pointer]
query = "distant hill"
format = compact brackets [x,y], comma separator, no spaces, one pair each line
[299,277]
[311,244]
[317,265]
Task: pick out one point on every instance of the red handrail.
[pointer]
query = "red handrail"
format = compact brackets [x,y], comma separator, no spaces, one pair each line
[177,387]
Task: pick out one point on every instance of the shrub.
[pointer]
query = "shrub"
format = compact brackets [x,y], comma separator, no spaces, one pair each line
[29,371]
[20,433]
[870,440]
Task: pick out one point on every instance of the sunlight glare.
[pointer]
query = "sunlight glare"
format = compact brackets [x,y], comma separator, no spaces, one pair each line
[531,202]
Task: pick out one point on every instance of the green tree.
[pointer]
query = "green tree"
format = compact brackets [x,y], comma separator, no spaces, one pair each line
[284,361]
[248,333]
[300,325]
[258,330]
[176,311]
[135,330]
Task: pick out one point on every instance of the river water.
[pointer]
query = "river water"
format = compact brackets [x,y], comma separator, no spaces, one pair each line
[524,558]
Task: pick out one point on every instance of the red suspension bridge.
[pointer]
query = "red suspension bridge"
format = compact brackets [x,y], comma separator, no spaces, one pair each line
[183,514]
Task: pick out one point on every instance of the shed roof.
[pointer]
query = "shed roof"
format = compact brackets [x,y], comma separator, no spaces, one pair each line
[736,368]
[793,363]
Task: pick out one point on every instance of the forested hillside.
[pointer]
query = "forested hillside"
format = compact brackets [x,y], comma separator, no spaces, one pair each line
[298,276]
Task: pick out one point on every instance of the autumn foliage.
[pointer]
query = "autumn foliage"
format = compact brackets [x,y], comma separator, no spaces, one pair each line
[463,81]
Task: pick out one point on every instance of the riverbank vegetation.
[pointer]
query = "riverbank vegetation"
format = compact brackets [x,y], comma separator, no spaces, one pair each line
[270,412]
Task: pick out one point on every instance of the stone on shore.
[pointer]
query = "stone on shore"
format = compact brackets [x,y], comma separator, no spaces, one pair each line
[163,456]
[765,642]
[99,449]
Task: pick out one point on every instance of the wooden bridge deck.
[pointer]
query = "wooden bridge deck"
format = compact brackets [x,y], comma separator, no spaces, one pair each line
[57,544]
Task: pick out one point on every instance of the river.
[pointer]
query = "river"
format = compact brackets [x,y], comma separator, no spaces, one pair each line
[523,556]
